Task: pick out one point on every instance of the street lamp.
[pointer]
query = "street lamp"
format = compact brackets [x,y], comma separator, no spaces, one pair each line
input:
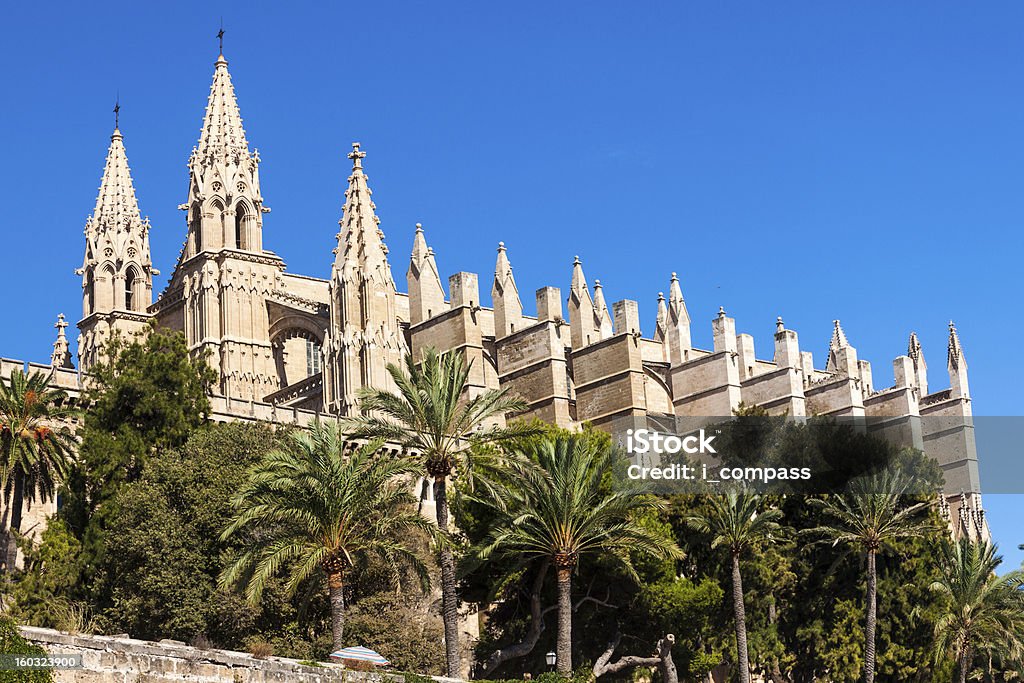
[551,658]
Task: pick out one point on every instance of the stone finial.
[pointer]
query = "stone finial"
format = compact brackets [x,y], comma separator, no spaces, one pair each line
[839,340]
[723,329]
[356,156]
[955,351]
[602,318]
[61,357]
[508,308]
[677,325]
[842,357]
[583,320]
[426,294]
[920,368]
[957,365]
[787,346]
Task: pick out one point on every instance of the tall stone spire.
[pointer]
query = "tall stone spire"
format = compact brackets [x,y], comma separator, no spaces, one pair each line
[225,207]
[661,321]
[508,309]
[842,358]
[426,294]
[678,330]
[920,367]
[839,340]
[583,327]
[364,335]
[117,271]
[956,363]
[602,318]
[222,136]
[61,357]
[223,277]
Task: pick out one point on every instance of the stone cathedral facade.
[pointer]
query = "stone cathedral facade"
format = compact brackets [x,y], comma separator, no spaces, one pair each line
[288,347]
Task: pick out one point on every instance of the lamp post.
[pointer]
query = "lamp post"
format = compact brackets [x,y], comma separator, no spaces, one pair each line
[551,658]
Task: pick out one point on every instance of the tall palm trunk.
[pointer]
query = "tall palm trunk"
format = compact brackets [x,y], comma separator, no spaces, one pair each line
[741,620]
[336,588]
[449,599]
[564,647]
[965,664]
[17,505]
[869,629]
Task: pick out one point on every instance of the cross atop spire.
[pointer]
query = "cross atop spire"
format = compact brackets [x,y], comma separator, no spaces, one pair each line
[357,157]
[117,113]
[220,38]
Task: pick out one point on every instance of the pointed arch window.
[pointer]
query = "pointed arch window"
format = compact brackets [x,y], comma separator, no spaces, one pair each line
[240,218]
[132,287]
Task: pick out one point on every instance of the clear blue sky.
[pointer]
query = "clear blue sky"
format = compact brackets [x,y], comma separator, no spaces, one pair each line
[861,161]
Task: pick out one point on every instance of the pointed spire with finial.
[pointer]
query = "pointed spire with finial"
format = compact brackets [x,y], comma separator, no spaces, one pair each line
[116,205]
[508,308]
[361,244]
[842,357]
[661,320]
[955,351]
[61,357]
[677,324]
[956,364]
[839,340]
[602,318]
[582,320]
[918,364]
[426,294]
[222,137]
[364,334]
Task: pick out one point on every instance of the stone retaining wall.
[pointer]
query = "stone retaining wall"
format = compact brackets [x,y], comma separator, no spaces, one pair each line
[114,659]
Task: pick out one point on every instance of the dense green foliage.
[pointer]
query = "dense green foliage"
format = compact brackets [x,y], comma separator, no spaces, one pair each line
[315,508]
[36,445]
[12,642]
[140,544]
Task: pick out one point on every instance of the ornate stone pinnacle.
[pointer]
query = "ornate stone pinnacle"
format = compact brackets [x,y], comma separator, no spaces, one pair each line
[356,156]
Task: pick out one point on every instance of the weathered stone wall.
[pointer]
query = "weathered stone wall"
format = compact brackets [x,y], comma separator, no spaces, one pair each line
[109,659]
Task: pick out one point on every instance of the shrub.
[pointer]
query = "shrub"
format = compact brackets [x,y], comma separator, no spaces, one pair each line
[12,643]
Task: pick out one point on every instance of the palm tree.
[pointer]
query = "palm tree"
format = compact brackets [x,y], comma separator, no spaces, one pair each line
[429,418]
[734,520]
[36,443]
[981,611]
[870,516]
[563,508]
[320,504]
